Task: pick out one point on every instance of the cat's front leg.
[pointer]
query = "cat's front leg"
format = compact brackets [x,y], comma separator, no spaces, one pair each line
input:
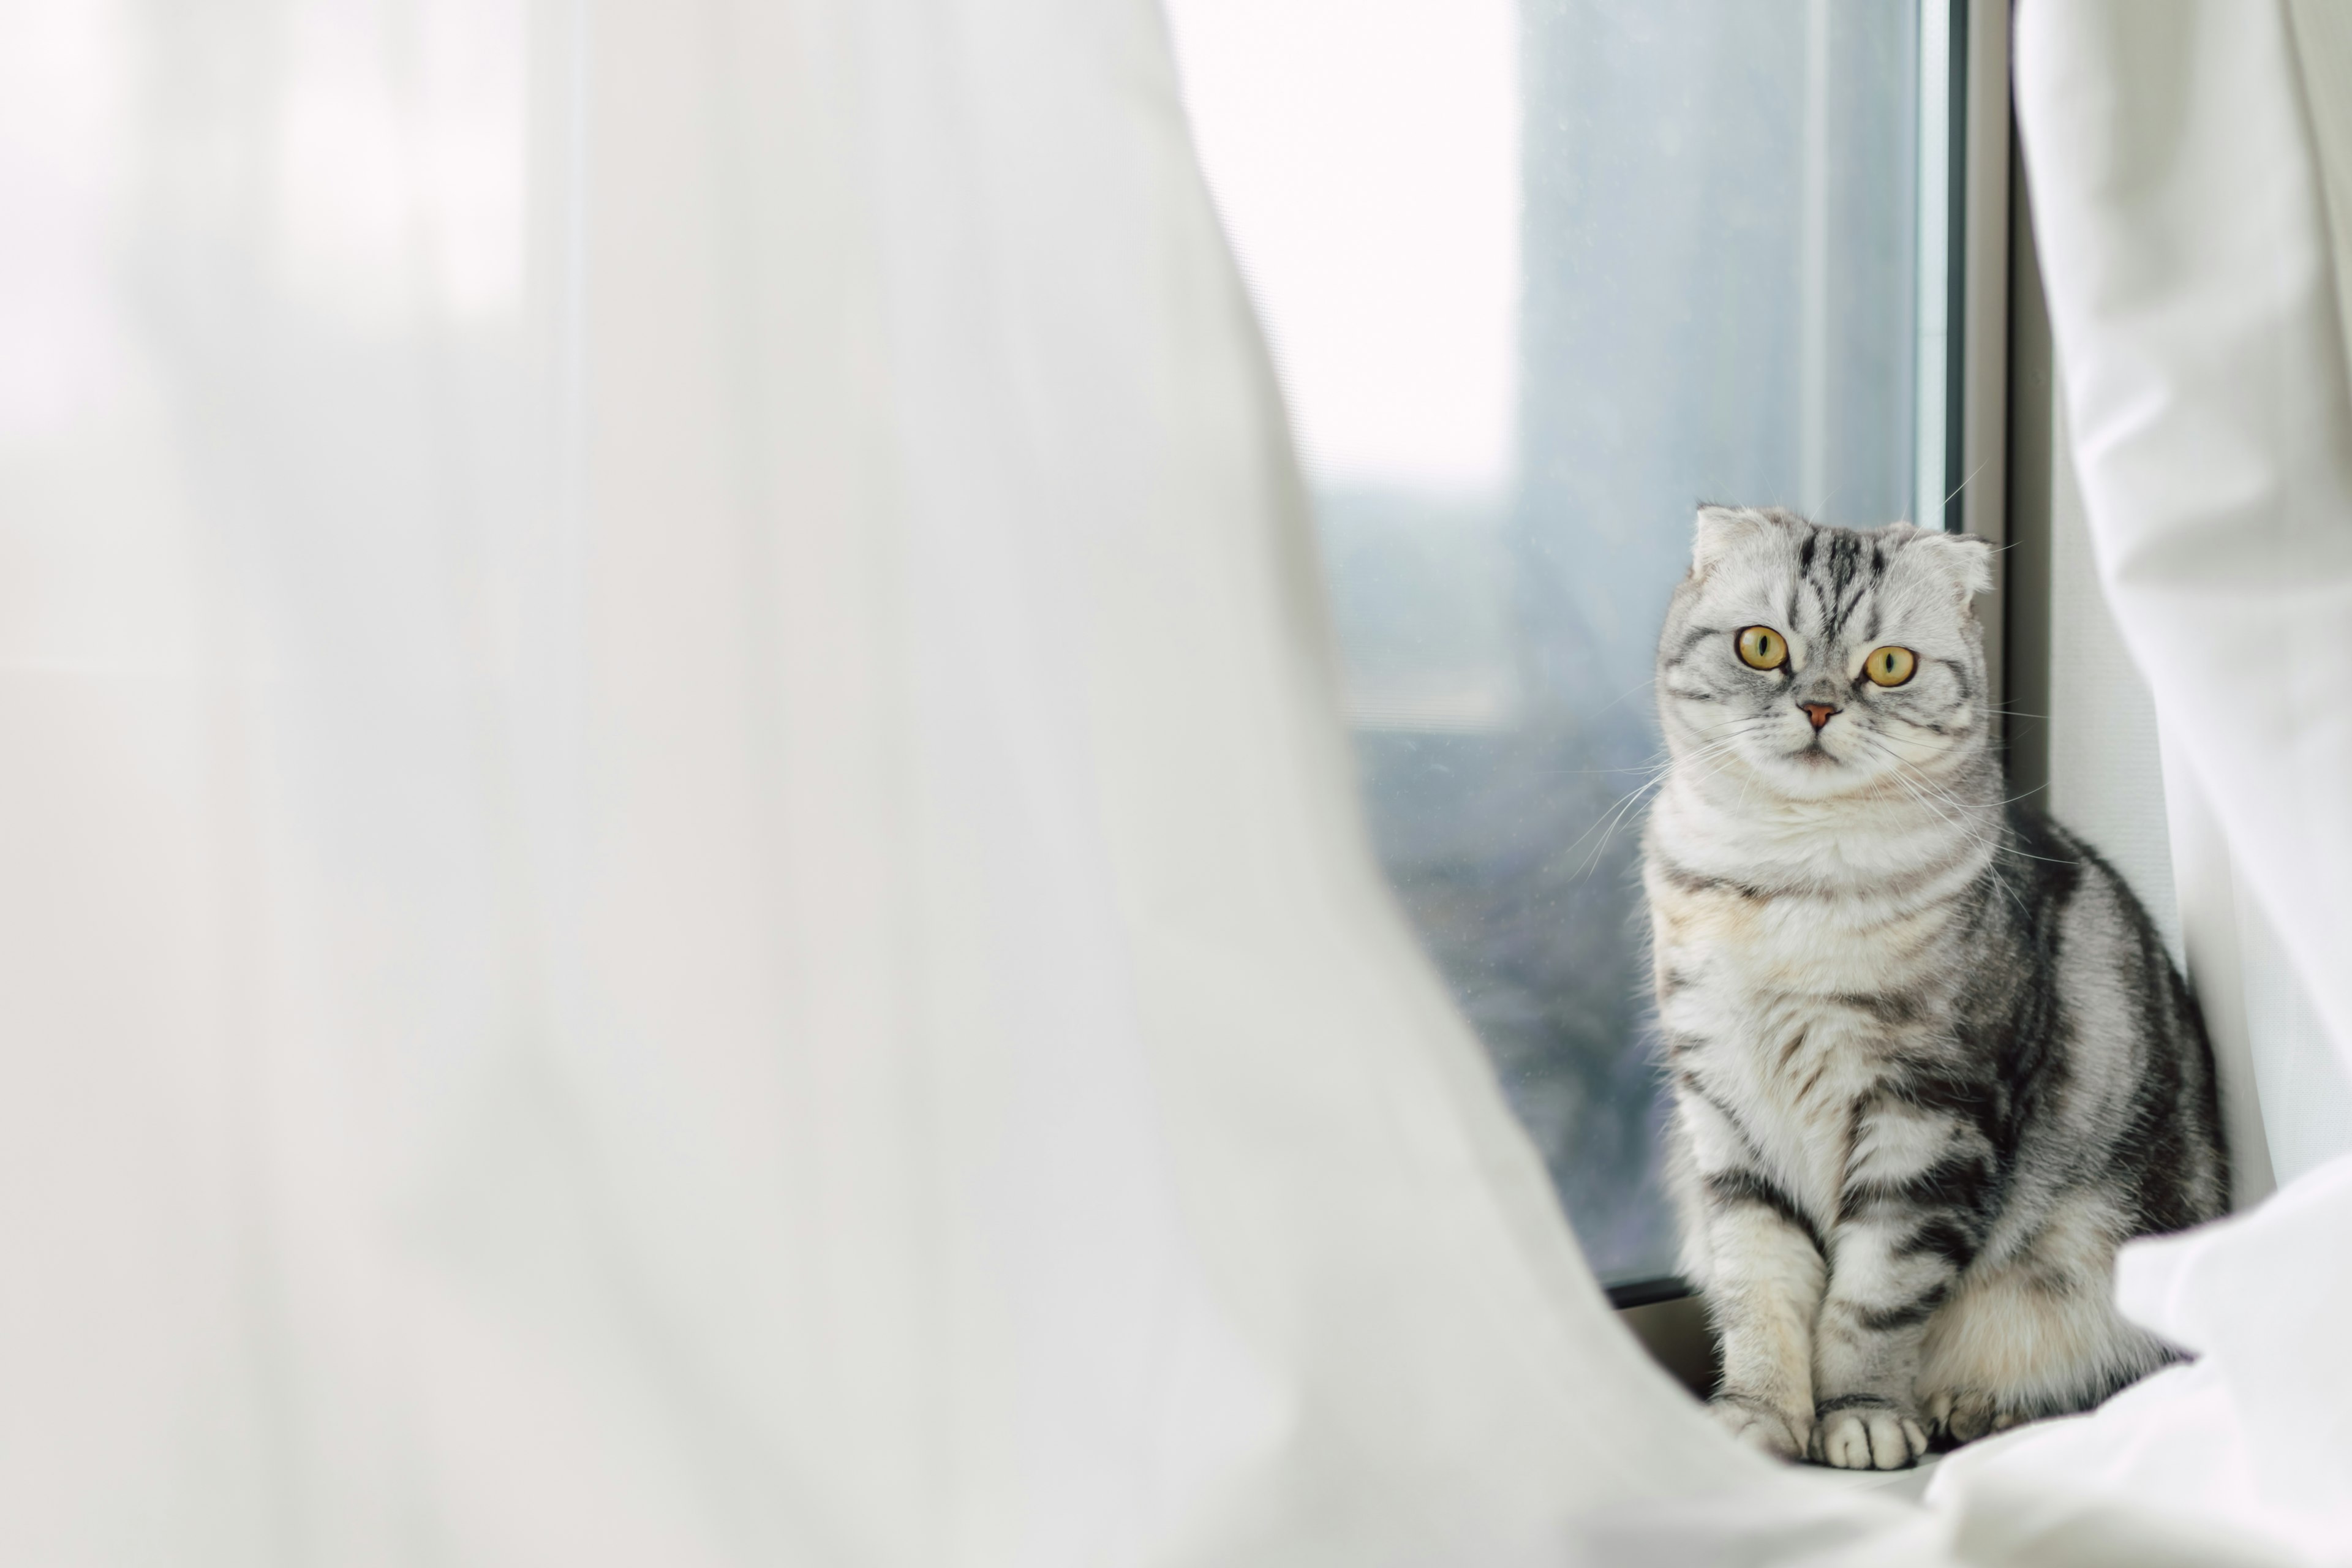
[1761,1281]
[1909,1219]
[1761,1292]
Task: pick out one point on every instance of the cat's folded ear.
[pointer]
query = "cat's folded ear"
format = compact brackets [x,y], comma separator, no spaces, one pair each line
[1721,529]
[1967,558]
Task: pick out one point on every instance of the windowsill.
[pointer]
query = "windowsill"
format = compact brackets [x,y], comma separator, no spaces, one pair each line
[1672,1326]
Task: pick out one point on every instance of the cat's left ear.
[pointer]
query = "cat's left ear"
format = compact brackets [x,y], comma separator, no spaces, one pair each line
[1720,530]
[1967,558]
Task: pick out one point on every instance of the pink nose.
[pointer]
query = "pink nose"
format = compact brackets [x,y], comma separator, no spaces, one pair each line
[1818,713]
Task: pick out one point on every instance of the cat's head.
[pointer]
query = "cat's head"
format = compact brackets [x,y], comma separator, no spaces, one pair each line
[1825,659]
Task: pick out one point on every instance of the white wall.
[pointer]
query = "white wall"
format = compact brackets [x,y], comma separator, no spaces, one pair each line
[2107,769]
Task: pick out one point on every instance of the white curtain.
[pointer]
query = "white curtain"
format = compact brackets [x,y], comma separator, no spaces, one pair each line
[2191,164]
[679,881]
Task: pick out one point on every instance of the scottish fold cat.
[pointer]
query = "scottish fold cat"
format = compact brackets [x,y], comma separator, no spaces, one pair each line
[1931,1063]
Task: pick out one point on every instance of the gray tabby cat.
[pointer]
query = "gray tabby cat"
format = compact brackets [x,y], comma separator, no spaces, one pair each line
[1931,1064]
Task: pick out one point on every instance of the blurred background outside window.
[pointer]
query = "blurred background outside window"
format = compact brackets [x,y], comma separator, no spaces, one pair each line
[1538,277]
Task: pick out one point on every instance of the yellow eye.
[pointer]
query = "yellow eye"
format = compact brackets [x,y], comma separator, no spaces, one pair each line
[1762,648]
[1890,666]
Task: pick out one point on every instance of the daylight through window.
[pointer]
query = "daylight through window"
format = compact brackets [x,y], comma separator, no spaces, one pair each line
[1538,278]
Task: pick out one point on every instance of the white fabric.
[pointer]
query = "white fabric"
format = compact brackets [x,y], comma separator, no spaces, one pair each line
[679,881]
[2185,254]
[2185,250]
[2216,922]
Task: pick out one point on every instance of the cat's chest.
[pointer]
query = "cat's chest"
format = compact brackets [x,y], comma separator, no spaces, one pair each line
[1790,1003]
[1736,938]
[1787,1072]
[1791,1023]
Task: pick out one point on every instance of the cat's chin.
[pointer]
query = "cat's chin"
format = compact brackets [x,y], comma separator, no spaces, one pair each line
[1810,773]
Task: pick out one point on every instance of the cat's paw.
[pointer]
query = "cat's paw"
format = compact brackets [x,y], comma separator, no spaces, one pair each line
[1760,1426]
[1966,1414]
[1867,1437]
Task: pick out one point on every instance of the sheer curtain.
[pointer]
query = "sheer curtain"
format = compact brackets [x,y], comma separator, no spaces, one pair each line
[680,885]
[2191,164]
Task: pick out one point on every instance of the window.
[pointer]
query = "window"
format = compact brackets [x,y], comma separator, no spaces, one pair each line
[1538,278]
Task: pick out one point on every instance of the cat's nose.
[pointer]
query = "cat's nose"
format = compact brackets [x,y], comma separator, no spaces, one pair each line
[1818,713]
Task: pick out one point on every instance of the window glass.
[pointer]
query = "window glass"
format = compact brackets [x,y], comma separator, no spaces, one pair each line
[1539,278]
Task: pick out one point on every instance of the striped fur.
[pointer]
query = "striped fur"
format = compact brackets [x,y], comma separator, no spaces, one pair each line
[1931,1063]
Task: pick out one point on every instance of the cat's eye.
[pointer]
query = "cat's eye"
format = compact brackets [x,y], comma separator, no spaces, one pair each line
[1890,666]
[1762,648]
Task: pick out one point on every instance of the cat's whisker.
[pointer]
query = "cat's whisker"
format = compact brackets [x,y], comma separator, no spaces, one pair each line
[1616,815]
[1609,822]
[1919,785]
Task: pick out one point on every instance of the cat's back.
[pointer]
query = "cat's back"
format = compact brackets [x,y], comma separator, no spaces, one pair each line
[2094,1035]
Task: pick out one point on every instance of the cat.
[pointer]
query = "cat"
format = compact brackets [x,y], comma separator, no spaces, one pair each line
[1930,1064]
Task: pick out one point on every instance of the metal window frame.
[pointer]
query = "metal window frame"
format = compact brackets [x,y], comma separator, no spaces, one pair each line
[1978,428]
